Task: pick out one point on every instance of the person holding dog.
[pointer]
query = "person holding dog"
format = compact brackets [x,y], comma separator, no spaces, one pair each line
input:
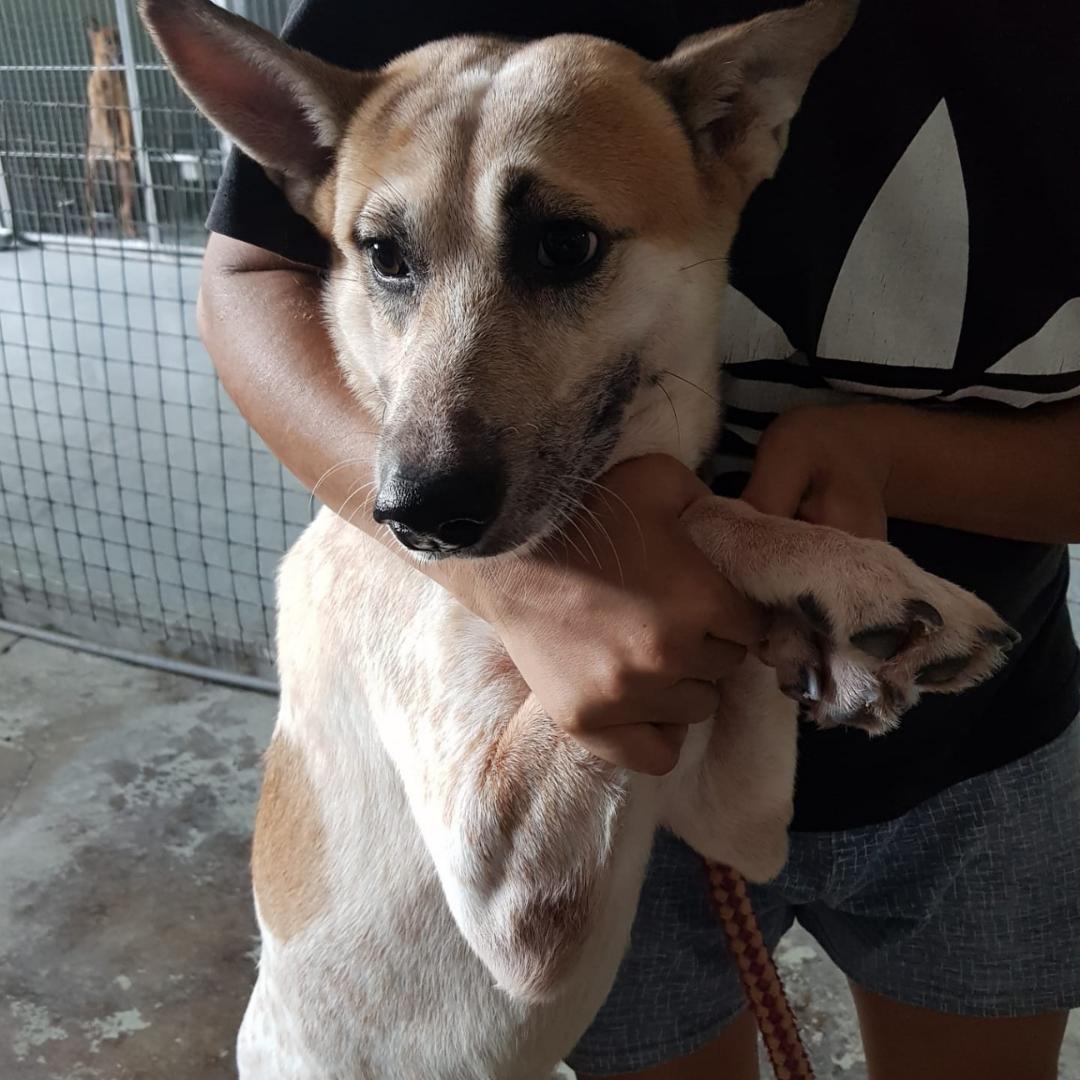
[904,362]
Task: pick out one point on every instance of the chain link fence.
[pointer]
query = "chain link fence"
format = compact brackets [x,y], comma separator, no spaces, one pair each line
[137,509]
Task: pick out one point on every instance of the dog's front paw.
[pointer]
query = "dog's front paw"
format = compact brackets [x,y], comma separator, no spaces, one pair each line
[862,646]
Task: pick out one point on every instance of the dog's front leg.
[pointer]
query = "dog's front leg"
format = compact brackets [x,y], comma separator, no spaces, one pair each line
[730,797]
[92,168]
[858,632]
[541,850]
[125,178]
[125,167]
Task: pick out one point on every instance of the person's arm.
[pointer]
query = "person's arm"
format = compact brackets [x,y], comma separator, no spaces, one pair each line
[1011,473]
[620,628]
[259,315]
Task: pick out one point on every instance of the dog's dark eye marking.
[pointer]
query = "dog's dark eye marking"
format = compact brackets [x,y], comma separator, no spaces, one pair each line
[386,257]
[557,252]
[567,246]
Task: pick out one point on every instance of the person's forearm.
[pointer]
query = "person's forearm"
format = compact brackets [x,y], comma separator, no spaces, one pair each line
[1014,475]
[261,321]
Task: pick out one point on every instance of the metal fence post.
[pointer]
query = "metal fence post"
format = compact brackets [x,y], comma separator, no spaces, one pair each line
[7,217]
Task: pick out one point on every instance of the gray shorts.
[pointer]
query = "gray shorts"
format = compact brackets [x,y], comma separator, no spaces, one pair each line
[968,904]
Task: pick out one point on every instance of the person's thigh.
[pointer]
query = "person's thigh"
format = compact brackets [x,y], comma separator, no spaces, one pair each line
[958,925]
[678,1009]
[904,1042]
[970,904]
[733,1055]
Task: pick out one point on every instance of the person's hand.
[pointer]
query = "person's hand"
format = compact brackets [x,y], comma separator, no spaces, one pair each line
[620,626]
[825,465]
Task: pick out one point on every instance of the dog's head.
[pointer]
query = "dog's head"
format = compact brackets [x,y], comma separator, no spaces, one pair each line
[104,43]
[529,241]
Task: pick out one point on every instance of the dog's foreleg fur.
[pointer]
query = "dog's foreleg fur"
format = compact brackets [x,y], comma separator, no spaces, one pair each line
[430,762]
[730,797]
[492,784]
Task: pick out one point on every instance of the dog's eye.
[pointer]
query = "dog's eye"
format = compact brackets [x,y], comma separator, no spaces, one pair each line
[569,246]
[387,259]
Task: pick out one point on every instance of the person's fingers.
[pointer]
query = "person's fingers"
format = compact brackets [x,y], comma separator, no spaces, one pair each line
[689,701]
[718,659]
[732,617]
[645,748]
[672,487]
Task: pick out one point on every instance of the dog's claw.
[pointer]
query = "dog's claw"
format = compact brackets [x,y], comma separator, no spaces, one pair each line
[862,652]
[1005,638]
[806,688]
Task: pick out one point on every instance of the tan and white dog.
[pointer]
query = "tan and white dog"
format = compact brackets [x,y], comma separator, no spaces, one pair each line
[529,246]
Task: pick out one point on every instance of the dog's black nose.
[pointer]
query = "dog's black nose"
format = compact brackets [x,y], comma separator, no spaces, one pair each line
[441,512]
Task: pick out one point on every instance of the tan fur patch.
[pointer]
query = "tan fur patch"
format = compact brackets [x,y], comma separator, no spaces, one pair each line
[548,932]
[288,856]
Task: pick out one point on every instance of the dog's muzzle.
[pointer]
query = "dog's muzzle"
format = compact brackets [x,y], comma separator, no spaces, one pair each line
[443,513]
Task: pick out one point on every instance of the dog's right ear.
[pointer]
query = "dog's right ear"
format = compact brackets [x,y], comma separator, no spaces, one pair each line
[91,25]
[284,108]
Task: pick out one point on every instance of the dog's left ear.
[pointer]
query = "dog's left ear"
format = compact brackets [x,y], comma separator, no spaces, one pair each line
[737,88]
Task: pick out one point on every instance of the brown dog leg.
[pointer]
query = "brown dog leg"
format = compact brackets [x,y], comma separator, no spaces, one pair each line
[125,178]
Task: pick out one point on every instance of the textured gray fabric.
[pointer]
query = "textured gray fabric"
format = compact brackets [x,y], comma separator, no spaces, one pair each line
[968,904]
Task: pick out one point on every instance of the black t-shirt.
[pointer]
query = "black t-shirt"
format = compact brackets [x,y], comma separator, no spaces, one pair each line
[920,242]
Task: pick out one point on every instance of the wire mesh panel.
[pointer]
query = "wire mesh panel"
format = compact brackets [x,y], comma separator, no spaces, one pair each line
[135,504]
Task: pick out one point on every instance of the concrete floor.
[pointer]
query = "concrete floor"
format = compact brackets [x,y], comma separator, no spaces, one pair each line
[126,932]
[126,936]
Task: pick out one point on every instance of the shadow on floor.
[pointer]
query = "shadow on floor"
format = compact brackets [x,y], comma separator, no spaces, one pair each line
[126,931]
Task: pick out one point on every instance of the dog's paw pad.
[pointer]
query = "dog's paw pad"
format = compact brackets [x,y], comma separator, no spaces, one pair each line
[943,672]
[882,642]
[918,635]
[887,642]
[925,614]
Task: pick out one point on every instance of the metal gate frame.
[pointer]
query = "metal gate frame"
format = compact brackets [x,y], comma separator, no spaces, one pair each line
[138,511]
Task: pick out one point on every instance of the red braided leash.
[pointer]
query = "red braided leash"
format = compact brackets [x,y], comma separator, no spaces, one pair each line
[758,974]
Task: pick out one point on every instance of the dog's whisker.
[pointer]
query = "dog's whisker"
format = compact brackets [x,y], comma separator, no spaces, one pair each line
[605,491]
[379,175]
[490,574]
[702,262]
[675,413]
[352,495]
[700,389]
[602,529]
[329,472]
[375,192]
[585,540]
